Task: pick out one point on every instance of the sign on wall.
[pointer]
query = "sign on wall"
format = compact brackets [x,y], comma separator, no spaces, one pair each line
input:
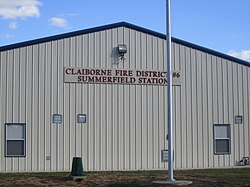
[118,76]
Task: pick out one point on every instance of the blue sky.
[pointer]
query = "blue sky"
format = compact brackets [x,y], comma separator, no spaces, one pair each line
[221,25]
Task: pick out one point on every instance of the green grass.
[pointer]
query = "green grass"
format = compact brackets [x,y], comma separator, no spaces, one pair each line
[225,176]
[208,177]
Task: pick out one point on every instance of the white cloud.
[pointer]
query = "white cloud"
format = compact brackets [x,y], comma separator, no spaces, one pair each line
[12,9]
[13,25]
[243,54]
[7,36]
[58,22]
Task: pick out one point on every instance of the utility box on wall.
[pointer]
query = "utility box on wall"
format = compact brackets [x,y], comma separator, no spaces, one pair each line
[81,118]
[57,118]
[164,155]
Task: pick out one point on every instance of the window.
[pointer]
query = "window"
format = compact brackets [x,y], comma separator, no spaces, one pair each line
[15,136]
[222,139]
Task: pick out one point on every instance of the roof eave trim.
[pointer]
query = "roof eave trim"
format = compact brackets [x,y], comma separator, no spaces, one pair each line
[127,25]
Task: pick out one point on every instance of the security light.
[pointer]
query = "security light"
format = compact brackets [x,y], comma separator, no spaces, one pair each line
[122,49]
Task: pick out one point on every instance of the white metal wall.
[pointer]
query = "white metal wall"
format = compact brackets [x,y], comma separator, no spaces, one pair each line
[126,126]
[215,90]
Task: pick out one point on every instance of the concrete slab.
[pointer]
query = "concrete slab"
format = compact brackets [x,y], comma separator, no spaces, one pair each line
[174,183]
[77,178]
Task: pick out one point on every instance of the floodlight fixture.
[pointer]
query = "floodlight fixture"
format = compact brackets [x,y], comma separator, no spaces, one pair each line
[122,49]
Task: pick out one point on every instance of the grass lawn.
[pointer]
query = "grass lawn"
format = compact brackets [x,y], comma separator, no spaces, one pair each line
[209,177]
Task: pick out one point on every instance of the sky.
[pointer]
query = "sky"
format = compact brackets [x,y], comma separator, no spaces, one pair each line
[221,25]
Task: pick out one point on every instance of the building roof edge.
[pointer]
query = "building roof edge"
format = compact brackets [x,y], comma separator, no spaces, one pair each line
[128,25]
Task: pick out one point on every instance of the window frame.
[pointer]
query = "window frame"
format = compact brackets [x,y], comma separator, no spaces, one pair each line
[216,152]
[15,139]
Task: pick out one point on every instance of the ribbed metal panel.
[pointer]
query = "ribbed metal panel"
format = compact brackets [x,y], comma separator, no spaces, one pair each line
[214,91]
[126,124]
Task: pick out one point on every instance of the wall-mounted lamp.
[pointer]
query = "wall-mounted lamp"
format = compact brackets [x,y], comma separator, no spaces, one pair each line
[122,49]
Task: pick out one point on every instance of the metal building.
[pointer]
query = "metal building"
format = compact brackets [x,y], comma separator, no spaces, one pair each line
[101,94]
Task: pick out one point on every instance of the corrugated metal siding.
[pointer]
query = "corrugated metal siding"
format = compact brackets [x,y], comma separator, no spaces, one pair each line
[126,124]
[214,91]
[124,129]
